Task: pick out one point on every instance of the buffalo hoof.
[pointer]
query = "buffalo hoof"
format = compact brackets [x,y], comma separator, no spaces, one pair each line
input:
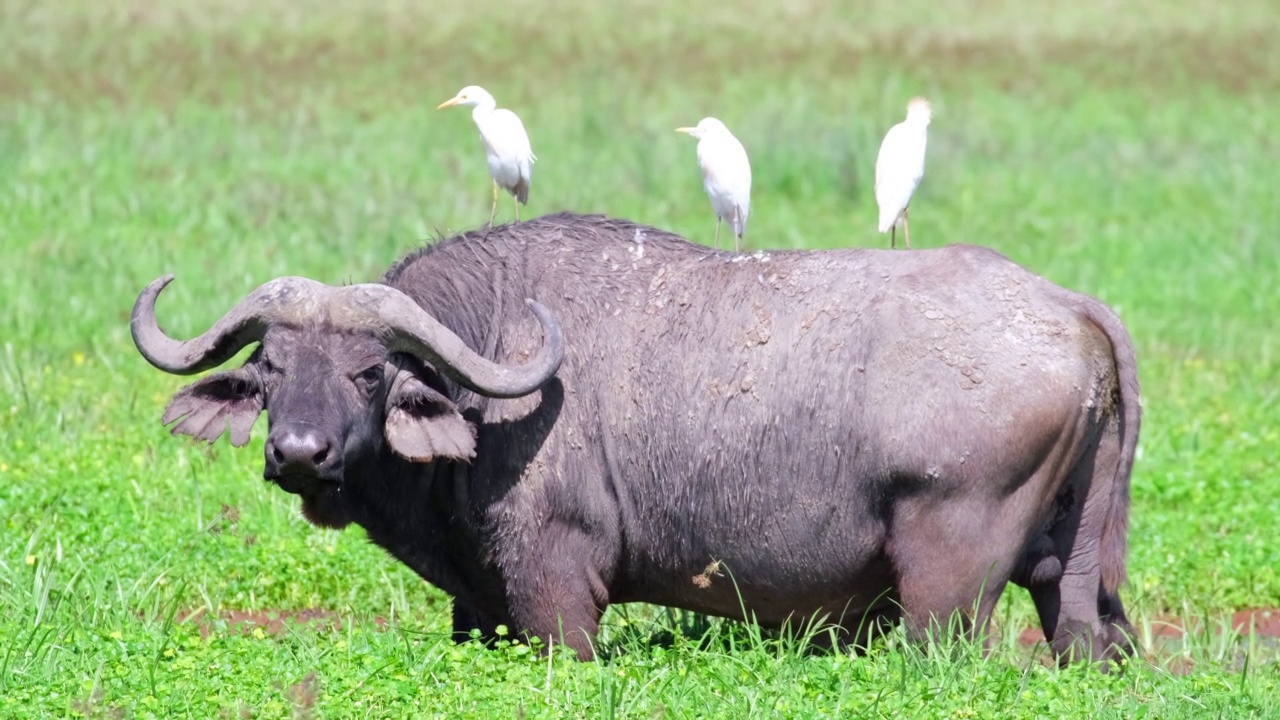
[1076,641]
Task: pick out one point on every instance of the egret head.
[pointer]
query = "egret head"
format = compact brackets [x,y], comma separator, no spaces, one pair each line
[470,96]
[706,126]
[919,109]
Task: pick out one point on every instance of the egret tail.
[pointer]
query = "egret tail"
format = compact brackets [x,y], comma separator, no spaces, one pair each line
[889,218]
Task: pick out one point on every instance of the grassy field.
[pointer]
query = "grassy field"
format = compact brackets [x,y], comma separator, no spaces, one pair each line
[1128,151]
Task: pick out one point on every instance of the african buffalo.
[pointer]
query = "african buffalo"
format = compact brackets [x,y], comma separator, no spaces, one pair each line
[547,418]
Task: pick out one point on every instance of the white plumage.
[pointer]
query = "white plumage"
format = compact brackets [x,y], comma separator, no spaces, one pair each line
[900,166]
[506,144]
[726,175]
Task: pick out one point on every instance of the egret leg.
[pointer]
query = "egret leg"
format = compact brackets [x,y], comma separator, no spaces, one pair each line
[893,236]
[906,228]
[516,200]
[737,223]
[493,211]
[717,233]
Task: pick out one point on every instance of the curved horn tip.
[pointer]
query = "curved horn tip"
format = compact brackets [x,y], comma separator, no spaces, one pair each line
[535,305]
[161,282]
[148,296]
[548,318]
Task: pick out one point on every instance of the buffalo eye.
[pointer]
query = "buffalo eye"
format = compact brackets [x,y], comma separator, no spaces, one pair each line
[368,379]
[268,367]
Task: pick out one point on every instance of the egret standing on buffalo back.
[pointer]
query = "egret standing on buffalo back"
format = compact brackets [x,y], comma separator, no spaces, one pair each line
[900,166]
[726,174]
[506,144]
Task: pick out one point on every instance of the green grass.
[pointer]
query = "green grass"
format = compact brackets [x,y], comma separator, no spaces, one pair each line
[1128,153]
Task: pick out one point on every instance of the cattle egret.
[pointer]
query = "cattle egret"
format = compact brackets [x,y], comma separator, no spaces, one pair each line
[726,174]
[900,166]
[506,144]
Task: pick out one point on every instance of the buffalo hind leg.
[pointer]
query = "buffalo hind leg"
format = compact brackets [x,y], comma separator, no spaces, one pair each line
[1079,618]
[1119,631]
[1081,623]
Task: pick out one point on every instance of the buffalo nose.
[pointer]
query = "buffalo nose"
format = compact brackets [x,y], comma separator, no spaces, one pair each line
[299,452]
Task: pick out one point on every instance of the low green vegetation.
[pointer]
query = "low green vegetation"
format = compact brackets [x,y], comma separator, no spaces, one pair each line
[1128,153]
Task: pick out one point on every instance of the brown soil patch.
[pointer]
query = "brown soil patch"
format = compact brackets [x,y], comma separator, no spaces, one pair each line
[1264,622]
[1168,632]
[271,622]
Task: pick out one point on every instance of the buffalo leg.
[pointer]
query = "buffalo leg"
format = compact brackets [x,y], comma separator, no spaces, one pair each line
[1119,632]
[1079,618]
[467,617]
[557,596]
[858,633]
[952,567]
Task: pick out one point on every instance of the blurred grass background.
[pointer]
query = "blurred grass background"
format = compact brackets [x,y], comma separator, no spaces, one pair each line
[1126,150]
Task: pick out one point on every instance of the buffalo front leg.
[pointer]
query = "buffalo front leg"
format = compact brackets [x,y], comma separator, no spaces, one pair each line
[557,595]
[952,566]
[467,619]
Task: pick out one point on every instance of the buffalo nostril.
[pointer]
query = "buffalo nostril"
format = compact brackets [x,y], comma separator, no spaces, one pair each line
[299,451]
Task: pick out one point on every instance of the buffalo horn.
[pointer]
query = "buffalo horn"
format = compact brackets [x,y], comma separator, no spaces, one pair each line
[400,322]
[246,323]
[406,327]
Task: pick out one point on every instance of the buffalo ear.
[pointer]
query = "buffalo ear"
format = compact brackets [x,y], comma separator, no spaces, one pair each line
[215,403]
[423,425]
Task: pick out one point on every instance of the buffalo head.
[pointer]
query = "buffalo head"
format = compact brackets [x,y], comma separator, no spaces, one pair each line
[344,373]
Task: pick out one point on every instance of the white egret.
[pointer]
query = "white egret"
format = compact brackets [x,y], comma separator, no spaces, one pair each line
[726,174]
[900,166]
[506,144]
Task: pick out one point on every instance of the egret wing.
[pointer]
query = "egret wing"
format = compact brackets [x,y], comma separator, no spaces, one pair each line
[899,169]
[724,164]
[507,137]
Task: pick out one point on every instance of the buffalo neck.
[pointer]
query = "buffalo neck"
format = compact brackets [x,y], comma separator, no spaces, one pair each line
[428,531]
